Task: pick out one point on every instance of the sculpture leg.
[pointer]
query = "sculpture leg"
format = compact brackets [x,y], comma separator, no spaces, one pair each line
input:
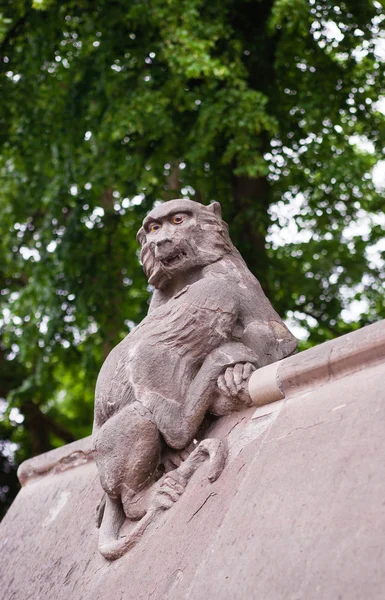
[127,453]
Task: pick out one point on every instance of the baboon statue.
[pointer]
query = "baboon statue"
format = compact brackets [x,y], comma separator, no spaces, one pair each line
[209,326]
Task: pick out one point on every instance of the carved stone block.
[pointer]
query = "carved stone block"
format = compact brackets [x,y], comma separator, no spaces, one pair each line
[209,326]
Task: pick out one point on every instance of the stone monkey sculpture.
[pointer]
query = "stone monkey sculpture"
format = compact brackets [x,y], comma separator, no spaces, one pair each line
[209,325]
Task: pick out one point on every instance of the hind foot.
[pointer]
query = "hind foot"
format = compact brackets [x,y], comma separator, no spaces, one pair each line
[174,483]
[170,490]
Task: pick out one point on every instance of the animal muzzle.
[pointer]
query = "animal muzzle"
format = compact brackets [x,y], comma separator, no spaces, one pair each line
[168,253]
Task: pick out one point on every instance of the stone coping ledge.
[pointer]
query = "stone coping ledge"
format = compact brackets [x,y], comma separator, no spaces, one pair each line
[56,461]
[302,372]
[290,377]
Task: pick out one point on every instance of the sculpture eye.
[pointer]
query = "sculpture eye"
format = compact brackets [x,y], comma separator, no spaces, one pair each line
[155,227]
[177,219]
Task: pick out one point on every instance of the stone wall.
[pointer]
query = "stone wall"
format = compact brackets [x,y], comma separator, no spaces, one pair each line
[298,512]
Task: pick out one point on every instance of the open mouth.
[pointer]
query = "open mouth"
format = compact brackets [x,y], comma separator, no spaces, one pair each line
[170,261]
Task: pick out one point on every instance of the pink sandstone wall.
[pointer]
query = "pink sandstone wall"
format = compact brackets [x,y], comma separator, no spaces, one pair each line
[298,513]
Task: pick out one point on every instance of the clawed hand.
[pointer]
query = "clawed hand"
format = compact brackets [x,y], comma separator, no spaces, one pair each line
[234,380]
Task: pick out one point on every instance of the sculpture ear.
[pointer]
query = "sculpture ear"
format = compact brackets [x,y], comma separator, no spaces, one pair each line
[141,236]
[215,208]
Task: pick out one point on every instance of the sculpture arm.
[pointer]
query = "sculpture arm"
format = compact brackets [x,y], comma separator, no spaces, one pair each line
[269,341]
[188,415]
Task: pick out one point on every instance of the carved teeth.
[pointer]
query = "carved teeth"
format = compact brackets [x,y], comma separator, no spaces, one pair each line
[173,259]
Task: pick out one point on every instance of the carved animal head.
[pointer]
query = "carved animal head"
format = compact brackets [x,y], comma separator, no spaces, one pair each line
[181,235]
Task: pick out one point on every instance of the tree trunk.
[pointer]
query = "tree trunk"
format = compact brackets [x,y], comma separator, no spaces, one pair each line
[249,223]
[39,426]
[173,185]
[113,323]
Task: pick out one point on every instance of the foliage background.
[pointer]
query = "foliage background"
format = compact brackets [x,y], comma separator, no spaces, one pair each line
[271,107]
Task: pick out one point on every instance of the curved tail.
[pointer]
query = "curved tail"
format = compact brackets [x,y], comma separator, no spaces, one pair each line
[111,546]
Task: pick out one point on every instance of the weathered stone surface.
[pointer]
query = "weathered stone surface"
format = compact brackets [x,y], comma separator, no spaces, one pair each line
[209,326]
[297,512]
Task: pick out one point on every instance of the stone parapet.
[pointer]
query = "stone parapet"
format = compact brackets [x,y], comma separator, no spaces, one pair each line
[297,512]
